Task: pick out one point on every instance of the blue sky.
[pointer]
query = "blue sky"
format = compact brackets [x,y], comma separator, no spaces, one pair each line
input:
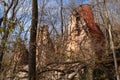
[1,11]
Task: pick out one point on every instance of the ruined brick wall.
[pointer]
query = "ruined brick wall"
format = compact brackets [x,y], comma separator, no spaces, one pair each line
[45,48]
[86,40]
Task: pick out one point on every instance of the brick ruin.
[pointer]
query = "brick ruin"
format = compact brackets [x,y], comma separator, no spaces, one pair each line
[85,37]
[85,41]
[45,48]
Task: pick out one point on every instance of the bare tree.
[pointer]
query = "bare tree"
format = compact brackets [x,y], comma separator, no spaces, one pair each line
[8,23]
[109,26]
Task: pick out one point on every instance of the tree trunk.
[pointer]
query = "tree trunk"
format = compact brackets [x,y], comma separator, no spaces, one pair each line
[61,14]
[109,27]
[32,43]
